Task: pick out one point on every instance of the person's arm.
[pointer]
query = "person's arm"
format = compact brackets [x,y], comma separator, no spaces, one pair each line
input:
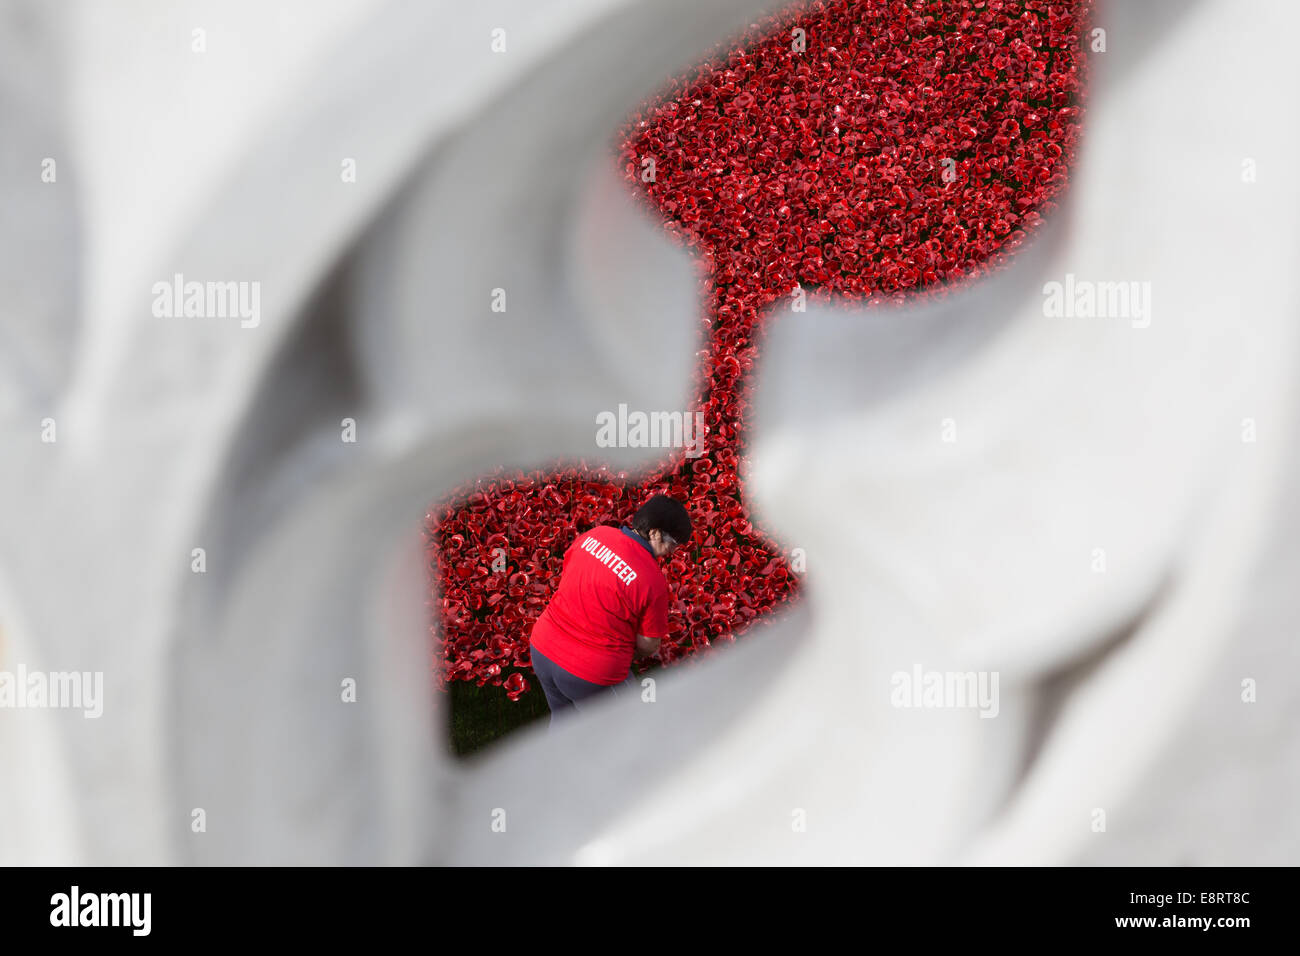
[646,646]
[654,620]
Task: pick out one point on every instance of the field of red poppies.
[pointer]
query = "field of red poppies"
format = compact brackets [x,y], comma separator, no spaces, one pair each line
[870,151]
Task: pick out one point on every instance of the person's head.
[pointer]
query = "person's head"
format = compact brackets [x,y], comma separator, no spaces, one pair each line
[664,522]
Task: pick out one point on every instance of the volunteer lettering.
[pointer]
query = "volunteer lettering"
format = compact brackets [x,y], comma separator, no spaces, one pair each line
[606,556]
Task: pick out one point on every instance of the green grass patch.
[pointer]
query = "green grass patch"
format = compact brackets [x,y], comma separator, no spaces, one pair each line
[480,715]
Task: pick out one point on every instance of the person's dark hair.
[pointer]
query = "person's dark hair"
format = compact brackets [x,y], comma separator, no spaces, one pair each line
[667,515]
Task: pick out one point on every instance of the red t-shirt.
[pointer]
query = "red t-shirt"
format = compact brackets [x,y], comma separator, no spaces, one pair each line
[611,590]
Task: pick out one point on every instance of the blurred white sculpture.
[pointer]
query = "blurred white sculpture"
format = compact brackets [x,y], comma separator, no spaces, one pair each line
[474,170]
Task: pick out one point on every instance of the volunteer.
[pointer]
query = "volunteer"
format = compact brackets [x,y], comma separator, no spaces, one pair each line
[611,607]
